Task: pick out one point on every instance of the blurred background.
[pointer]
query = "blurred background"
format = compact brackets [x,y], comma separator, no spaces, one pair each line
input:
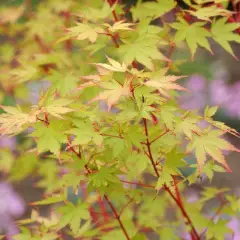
[213,80]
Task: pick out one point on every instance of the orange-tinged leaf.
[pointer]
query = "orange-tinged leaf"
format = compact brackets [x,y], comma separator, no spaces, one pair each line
[165,83]
[14,119]
[211,143]
[85,31]
[119,26]
[112,93]
[114,65]
[58,108]
[11,14]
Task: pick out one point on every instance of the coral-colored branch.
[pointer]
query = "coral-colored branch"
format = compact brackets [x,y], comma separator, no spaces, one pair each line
[106,198]
[42,45]
[222,204]
[155,139]
[113,11]
[117,216]
[138,184]
[193,233]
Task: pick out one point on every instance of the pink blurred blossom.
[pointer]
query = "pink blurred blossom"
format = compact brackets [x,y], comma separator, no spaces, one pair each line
[11,206]
[7,142]
[234,224]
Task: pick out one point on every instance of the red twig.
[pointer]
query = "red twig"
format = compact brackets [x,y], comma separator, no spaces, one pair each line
[222,204]
[149,149]
[117,216]
[42,45]
[138,184]
[155,139]
[106,198]
[113,11]
[103,210]
[193,233]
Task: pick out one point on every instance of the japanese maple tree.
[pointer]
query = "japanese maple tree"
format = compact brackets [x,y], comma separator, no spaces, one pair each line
[108,122]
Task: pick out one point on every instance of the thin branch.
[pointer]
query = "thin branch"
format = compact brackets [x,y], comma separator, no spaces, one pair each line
[113,11]
[138,184]
[155,139]
[223,203]
[171,50]
[117,216]
[194,234]
[148,147]
[126,205]
[106,198]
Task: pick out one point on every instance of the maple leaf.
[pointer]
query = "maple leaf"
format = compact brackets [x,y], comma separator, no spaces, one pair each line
[49,137]
[119,26]
[211,143]
[57,108]
[144,49]
[13,121]
[85,133]
[95,14]
[205,13]
[152,9]
[103,177]
[25,73]
[222,33]
[11,14]
[63,83]
[188,126]
[73,216]
[85,31]
[142,45]
[112,93]
[188,32]
[165,83]
[115,66]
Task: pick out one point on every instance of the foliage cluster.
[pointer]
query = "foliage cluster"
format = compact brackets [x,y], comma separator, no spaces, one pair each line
[109,120]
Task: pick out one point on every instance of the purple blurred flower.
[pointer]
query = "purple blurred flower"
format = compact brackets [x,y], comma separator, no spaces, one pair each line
[196,99]
[196,83]
[11,206]
[219,93]
[36,88]
[234,224]
[8,142]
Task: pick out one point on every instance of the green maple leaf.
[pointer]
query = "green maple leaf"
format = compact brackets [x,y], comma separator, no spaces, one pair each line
[188,32]
[205,13]
[210,193]
[95,14]
[103,177]
[63,83]
[24,235]
[210,142]
[85,31]
[136,164]
[58,107]
[73,215]
[152,9]
[222,33]
[218,230]
[188,126]
[49,138]
[24,73]
[85,133]
[168,115]
[112,93]
[142,45]
[50,200]
[174,161]
[165,178]
[71,180]
[27,163]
